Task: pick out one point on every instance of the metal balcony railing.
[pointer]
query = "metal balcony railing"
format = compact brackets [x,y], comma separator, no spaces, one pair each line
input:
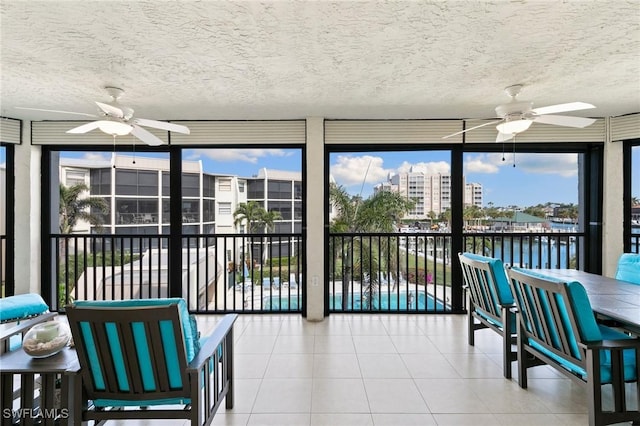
[635,239]
[412,272]
[382,272]
[553,250]
[220,273]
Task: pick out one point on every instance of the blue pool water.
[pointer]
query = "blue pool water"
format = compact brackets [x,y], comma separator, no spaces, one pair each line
[385,301]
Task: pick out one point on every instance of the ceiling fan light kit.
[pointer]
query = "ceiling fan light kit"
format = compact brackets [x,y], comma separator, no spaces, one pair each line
[114,128]
[517,116]
[514,126]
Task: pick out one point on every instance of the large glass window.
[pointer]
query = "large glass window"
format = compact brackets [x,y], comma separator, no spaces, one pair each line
[100,181]
[528,210]
[131,210]
[282,227]
[279,190]
[256,189]
[208,186]
[208,210]
[514,195]
[165,184]
[297,210]
[136,182]
[138,208]
[165,210]
[190,185]
[234,178]
[505,187]
[282,207]
[422,177]
[190,211]
[133,199]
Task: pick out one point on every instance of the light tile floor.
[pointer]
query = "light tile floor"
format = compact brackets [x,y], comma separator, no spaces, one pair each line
[377,370]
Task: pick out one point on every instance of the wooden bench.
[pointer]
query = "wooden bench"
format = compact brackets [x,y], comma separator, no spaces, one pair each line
[557,327]
[489,302]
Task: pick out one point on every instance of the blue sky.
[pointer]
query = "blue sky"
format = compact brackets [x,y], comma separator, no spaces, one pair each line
[537,178]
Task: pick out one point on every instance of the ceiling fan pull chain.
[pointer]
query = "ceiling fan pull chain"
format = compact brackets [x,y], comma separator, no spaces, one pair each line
[133,142]
[503,151]
[514,150]
[114,151]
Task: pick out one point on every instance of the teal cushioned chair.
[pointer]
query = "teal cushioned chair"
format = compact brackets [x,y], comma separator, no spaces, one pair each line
[557,327]
[629,268]
[19,313]
[489,302]
[145,353]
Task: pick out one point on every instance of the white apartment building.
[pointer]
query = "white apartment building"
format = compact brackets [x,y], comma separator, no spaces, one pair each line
[473,194]
[137,193]
[431,192]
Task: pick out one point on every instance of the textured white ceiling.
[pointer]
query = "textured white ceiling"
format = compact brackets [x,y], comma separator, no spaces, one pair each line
[341,59]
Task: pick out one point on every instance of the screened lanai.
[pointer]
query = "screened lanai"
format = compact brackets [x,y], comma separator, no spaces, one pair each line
[286,103]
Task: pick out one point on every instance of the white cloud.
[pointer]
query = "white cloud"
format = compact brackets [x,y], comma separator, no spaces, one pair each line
[430,168]
[564,165]
[97,156]
[349,171]
[249,155]
[479,165]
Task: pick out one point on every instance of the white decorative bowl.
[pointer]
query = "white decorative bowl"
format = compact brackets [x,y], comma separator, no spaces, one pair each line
[46,339]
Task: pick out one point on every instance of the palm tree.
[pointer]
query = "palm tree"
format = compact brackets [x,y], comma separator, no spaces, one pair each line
[378,213]
[471,214]
[74,207]
[249,213]
[256,218]
[445,216]
[432,216]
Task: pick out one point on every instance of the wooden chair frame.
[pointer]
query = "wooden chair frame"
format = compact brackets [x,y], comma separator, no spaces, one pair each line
[205,381]
[481,288]
[532,295]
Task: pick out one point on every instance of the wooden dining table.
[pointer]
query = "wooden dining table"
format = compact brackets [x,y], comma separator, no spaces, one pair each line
[615,299]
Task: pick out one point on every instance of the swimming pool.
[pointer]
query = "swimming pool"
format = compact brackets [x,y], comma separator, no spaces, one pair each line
[396,301]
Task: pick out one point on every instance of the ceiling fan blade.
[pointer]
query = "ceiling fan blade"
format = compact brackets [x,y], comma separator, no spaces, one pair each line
[502,137]
[571,106]
[172,127]
[85,128]
[564,120]
[146,136]
[472,128]
[57,111]
[111,110]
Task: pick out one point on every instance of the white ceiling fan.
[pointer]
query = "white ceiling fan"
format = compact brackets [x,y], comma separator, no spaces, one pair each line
[117,120]
[516,116]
